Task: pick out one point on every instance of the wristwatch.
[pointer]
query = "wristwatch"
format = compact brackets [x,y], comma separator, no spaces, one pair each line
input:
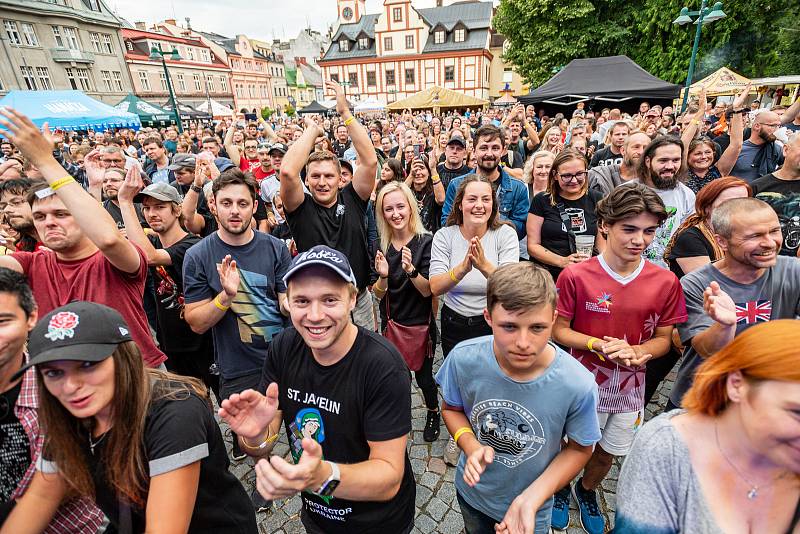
[198,190]
[329,486]
[413,274]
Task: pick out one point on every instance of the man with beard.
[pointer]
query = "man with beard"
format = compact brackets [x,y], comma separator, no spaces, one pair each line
[86,257]
[781,190]
[453,165]
[759,155]
[604,178]
[342,141]
[749,285]
[329,215]
[233,286]
[112,180]
[511,195]
[659,168]
[18,212]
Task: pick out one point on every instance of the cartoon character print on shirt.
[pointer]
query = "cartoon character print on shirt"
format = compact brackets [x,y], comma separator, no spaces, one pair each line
[256,309]
[307,424]
[788,209]
[577,220]
[513,431]
[655,252]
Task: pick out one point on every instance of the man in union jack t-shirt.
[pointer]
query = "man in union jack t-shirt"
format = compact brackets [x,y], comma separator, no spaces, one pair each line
[751,284]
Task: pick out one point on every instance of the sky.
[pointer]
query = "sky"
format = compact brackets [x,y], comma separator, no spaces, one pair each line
[264,20]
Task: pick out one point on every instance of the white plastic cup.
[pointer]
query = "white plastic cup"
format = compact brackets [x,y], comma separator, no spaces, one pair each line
[584,245]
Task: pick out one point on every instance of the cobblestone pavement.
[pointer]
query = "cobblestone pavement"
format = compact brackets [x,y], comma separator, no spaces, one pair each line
[437,507]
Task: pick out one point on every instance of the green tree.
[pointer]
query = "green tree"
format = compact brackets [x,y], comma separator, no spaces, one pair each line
[290,111]
[266,112]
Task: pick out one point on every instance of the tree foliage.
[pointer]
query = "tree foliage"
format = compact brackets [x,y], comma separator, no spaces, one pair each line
[266,112]
[757,38]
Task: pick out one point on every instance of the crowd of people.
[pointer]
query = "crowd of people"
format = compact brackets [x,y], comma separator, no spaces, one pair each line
[292,272]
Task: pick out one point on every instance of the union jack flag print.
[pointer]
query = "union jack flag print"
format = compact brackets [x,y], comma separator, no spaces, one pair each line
[754,311]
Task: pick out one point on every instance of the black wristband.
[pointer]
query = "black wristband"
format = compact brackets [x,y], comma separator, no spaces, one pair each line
[413,274]
[198,190]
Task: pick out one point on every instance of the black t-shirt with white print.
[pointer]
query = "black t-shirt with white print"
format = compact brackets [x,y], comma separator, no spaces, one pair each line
[178,432]
[362,397]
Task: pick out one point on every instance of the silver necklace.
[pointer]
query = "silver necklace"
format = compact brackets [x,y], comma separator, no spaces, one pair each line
[753,492]
[93,444]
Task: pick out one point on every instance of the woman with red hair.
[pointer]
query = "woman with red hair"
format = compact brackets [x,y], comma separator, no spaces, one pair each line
[731,461]
[693,244]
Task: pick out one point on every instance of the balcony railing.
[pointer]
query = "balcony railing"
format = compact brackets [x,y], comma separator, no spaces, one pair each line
[68,55]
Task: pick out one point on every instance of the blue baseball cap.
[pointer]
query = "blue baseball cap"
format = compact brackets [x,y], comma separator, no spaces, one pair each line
[324,256]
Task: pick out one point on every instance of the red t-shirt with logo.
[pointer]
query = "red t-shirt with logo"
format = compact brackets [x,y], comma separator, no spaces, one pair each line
[598,305]
[259,173]
[93,279]
[250,165]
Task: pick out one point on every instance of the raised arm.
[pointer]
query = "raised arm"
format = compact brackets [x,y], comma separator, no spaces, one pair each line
[364,177]
[95,221]
[230,147]
[133,229]
[790,114]
[736,133]
[293,162]
[691,130]
[271,135]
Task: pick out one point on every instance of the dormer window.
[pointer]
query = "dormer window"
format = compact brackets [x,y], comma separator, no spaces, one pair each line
[344,45]
[438,36]
[460,35]
[363,43]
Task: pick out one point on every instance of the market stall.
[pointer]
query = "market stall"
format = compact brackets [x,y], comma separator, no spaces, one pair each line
[69,110]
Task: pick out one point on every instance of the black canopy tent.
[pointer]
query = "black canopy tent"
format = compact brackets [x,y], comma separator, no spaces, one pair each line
[611,79]
[314,107]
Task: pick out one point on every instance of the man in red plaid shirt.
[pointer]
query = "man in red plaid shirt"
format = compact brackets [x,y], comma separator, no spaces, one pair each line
[20,437]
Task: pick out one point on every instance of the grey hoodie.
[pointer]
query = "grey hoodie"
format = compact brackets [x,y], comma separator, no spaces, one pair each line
[604,178]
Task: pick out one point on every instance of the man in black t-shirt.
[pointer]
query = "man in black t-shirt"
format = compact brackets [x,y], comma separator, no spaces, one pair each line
[453,166]
[781,190]
[612,154]
[327,215]
[341,392]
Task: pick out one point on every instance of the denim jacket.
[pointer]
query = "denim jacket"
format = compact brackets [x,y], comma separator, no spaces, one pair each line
[512,200]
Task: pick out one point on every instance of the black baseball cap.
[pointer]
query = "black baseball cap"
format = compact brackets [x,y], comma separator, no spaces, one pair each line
[324,256]
[457,139]
[79,331]
[278,147]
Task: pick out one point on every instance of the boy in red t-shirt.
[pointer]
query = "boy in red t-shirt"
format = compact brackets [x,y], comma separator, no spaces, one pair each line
[616,311]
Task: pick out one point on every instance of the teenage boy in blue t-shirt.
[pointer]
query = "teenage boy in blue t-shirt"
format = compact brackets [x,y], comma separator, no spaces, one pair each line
[509,398]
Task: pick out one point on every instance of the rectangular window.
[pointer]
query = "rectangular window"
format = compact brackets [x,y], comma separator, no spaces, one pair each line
[204,55]
[371,78]
[106,77]
[162,78]
[397,14]
[438,37]
[2,87]
[210,83]
[43,74]
[449,74]
[12,32]
[460,35]
[410,76]
[263,91]
[335,77]
[363,43]
[27,75]
[108,44]
[190,53]
[71,78]
[85,79]
[197,86]
[223,84]
[117,80]
[29,35]
[144,81]
[94,38]
[71,35]
[57,36]
[344,45]
[181,82]
[409,41]
[389,76]
[388,43]
[353,79]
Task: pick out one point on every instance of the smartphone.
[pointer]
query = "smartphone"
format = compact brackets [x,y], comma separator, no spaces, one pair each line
[416,151]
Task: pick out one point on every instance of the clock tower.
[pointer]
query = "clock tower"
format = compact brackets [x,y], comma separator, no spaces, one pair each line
[350,11]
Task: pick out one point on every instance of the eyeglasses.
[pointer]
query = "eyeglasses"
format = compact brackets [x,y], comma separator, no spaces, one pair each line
[772,125]
[250,147]
[117,162]
[577,177]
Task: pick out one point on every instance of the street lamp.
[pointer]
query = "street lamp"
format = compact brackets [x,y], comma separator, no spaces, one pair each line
[155,54]
[704,16]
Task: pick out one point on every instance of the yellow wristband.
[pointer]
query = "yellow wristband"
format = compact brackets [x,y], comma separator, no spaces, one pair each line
[590,343]
[461,431]
[220,305]
[268,440]
[453,276]
[347,122]
[61,183]
[435,179]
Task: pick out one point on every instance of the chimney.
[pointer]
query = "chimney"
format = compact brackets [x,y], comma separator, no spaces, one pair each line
[141,26]
[170,21]
[188,23]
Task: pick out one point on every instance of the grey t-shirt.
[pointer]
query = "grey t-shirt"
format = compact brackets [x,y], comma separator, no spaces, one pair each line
[449,247]
[776,295]
[658,491]
[522,421]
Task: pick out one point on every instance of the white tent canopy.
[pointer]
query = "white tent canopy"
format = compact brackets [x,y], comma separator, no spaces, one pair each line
[217,109]
[369,105]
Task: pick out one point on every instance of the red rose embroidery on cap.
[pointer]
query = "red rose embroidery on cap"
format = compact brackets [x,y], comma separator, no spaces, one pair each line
[62,325]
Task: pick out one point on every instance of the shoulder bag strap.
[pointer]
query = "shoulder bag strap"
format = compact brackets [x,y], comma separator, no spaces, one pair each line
[568,225]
